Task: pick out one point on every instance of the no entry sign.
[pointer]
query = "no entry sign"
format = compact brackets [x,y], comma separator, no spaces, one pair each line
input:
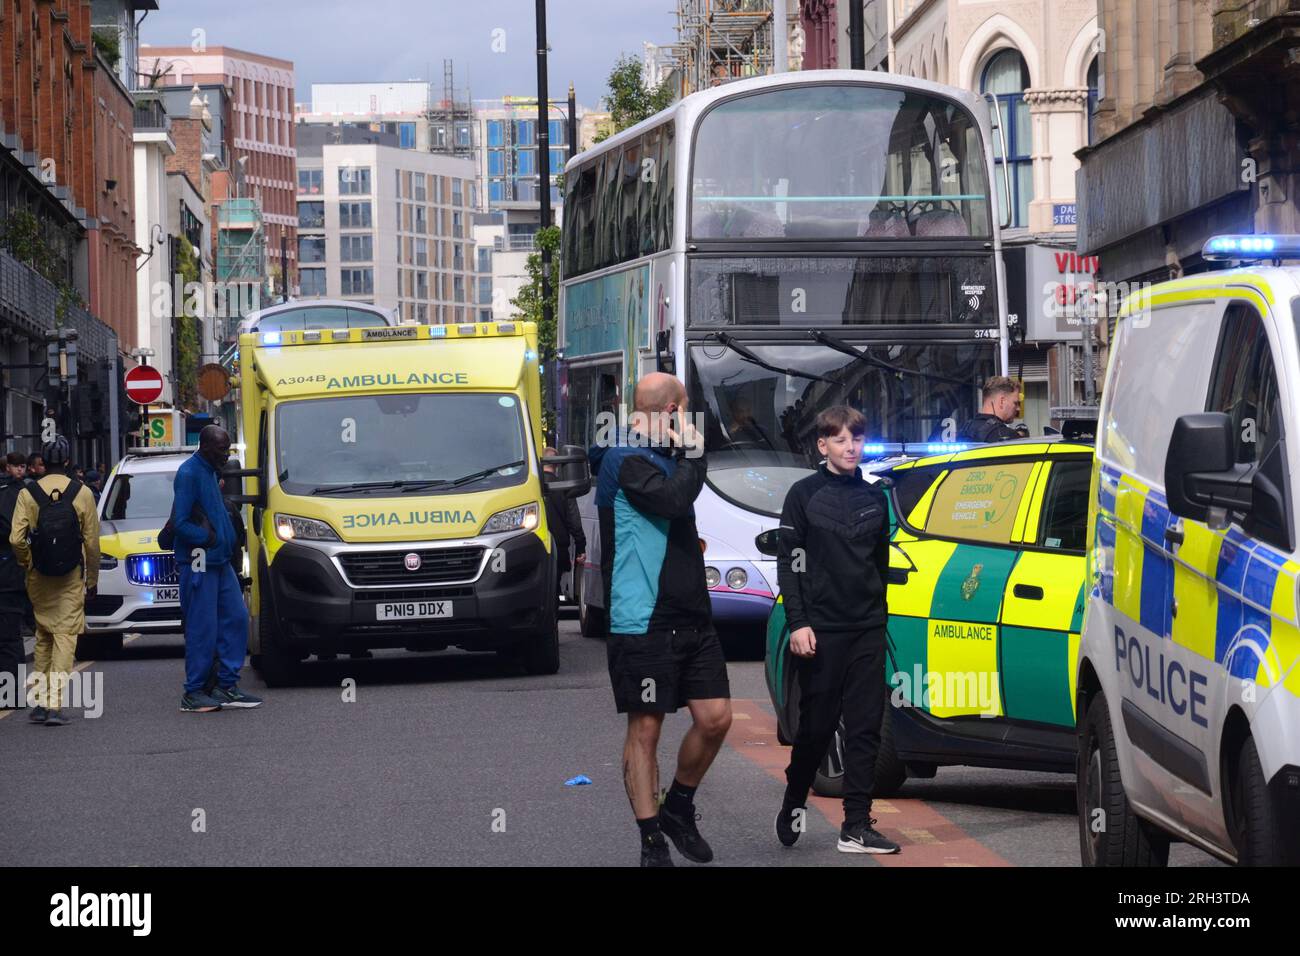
[144,384]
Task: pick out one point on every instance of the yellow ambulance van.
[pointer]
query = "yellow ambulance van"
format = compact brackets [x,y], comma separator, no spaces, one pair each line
[394,485]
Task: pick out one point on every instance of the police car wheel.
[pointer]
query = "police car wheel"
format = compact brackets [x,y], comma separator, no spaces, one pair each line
[1110,833]
[98,646]
[1253,819]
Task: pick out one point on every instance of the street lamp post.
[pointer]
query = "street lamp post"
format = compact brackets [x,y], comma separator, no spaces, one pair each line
[544,155]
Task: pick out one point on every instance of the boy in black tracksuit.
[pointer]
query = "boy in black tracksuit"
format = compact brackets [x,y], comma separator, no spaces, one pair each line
[833,569]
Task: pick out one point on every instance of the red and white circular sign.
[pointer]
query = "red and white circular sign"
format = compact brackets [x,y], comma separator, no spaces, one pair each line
[144,384]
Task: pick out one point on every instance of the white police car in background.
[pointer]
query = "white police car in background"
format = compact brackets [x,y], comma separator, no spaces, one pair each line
[139,586]
[1188,679]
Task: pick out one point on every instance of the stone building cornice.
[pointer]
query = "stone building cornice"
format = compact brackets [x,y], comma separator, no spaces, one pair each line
[1065,98]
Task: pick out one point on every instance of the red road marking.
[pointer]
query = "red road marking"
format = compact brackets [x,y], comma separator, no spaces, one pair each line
[911,823]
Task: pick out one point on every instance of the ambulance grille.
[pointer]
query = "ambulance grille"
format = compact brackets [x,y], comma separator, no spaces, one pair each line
[437,566]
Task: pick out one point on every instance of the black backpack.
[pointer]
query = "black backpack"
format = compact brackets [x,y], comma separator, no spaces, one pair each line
[56,539]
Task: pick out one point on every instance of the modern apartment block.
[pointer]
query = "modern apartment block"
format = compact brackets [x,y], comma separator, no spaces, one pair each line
[259,137]
[390,226]
[408,110]
[510,166]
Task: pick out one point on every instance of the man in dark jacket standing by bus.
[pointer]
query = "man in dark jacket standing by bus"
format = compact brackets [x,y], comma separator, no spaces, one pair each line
[662,649]
[993,421]
[833,568]
[212,604]
[565,522]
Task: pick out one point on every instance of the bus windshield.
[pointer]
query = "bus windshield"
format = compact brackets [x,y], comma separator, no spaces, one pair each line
[837,161]
[760,433]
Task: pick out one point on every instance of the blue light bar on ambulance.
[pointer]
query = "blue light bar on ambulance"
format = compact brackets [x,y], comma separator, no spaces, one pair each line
[270,338]
[1251,247]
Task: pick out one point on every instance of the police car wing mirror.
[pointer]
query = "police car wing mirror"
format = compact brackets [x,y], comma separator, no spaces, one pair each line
[768,542]
[1203,480]
[572,474]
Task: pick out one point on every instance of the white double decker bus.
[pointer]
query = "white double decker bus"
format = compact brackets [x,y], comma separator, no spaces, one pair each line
[782,244]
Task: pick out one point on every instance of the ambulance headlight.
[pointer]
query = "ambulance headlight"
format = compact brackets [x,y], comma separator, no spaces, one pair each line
[523,518]
[291,527]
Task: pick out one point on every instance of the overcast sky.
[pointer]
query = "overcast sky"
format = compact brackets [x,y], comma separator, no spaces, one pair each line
[343,41]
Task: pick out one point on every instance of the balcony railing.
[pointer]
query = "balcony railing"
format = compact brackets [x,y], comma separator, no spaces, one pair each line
[151,116]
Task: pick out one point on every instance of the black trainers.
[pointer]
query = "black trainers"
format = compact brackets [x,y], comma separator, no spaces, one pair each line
[234,697]
[654,851]
[681,829]
[862,838]
[199,703]
[56,718]
[790,822]
[38,715]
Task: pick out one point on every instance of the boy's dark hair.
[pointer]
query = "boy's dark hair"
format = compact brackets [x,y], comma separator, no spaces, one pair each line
[31,459]
[15,458]
[838,417]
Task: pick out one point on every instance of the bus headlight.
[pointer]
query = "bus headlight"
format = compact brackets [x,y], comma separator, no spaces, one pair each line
[712,577]
[737,578]
[291,527]
[523,518]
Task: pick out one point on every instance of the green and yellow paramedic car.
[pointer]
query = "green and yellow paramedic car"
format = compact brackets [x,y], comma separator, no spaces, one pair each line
[985,608]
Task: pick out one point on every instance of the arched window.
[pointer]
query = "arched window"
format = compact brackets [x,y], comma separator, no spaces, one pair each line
[1006,76]
[1092,96]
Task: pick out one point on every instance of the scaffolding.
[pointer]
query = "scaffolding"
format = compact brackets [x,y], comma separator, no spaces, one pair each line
[721,40]
[451,119]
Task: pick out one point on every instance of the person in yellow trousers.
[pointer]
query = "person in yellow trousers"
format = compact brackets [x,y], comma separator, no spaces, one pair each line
[55,538]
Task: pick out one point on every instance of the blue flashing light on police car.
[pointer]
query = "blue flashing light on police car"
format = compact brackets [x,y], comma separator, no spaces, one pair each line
[1251,247]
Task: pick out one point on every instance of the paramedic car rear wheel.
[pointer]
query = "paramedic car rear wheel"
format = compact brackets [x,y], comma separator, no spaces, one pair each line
[890,771]
[98,646]
[1110,833]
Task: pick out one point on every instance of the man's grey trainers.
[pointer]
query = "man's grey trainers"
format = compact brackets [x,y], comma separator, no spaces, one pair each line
[234,697]
[861,838]
[56,718]
[199,703]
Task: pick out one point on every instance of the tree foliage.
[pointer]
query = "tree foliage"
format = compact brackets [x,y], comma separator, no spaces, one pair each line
[528,303]
[188,347]
[630,100]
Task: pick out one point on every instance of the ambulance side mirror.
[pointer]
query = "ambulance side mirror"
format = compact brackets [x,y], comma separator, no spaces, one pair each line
[236,476]
[1201,471]
[572,473]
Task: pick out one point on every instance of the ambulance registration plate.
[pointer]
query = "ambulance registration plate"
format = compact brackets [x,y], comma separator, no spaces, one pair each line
[166,594]
[412,610]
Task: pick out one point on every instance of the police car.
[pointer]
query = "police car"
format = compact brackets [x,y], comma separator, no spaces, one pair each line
[138,582]
[1188,702]
[985,606]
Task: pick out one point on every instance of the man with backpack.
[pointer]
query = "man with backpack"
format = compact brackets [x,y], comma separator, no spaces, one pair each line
[55,538]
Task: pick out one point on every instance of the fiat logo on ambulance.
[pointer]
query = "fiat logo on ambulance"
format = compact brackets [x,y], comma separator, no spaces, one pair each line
[412,562]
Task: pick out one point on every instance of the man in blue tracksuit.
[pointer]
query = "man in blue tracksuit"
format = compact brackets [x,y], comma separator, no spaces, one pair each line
[212,604]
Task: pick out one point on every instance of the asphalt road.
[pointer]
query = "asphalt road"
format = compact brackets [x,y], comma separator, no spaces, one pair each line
[450,759]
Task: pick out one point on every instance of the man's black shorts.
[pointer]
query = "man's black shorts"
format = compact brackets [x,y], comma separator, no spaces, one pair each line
[660,671]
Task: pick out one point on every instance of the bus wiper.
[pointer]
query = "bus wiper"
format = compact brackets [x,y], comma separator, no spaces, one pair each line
[485,473]
[840,346]
[728,342]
